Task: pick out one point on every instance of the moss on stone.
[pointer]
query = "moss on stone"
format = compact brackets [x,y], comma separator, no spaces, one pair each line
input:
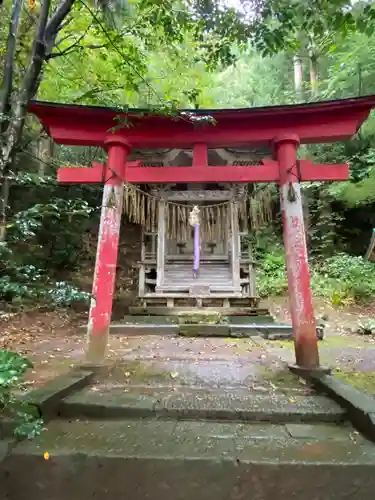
[330,341]
[189,330]
[287,344]
[282,378]
[138,371]
[343,341]
[204,330]
[364,381]
[199,318]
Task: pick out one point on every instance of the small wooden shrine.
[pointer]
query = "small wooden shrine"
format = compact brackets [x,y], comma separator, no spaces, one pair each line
[195,246]
[197,209]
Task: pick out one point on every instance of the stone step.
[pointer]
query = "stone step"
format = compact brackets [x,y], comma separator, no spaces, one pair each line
[203,263]
[198,279]
[241,311]
[270,331]
[189,280]
[187,271]
[212,295]
[181,287]
[159,460]
[165,319]
[178,268]
[198,282]
[202,272]
[201,404]
[189,275]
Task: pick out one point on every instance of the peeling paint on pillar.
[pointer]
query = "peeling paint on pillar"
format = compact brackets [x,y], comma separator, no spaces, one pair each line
[300,296]
[105,271]
[297,268]
[106,256]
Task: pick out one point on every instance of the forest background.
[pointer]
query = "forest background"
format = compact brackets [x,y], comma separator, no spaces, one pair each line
[165,55]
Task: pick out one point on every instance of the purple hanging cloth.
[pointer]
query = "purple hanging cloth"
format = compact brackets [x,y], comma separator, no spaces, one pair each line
[194,221]
[197,250]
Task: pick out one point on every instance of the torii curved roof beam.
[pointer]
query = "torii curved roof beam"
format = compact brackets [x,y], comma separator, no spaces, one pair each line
[326,121]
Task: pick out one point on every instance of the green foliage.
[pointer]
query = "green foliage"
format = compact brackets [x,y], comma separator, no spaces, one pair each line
[341,279]
[20,284]
[12,367]
[243,81]
[26,223]
[147,54]
[52,229]
[284,24]
[25,418]
[366,328]
[271,274]
[63,294]
[323,221]
[355,275]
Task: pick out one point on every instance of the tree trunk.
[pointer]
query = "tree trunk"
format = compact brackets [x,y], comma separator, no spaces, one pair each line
[7,82]
[314,81]
[44,153]
[298,77]
[43,44]
[4,200]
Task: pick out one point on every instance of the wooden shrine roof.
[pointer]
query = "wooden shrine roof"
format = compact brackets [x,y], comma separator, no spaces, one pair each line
[324,121]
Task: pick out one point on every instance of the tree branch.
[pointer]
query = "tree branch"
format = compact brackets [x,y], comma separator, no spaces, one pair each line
[69,49]
[97,90]
[55,23]
[62,40]
[31,80]
[66,23]
[93,47]
[7,85]
[37,56]
[121,54]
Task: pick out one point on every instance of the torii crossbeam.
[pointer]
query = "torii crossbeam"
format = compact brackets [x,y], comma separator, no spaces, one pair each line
[136,173]
[282,127]
[201,172]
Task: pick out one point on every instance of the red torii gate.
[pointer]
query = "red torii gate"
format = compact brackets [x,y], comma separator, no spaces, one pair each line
[284,127]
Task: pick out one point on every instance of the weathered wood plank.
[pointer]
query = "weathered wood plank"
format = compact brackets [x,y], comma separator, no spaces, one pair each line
[199,195]
[234,243]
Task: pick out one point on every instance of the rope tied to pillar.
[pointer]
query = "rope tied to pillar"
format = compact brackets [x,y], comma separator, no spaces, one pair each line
[292,195]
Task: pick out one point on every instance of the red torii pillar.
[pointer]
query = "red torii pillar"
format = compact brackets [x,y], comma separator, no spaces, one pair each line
[107,250]
[300,296]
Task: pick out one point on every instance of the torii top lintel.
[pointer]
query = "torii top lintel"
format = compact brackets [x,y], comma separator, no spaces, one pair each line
[325,121]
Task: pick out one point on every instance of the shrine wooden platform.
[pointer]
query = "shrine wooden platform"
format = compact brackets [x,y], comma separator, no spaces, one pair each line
[217,300]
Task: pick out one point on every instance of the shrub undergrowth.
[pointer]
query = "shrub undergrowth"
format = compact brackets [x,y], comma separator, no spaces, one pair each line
[21,284]
[24,417]
[341,278]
